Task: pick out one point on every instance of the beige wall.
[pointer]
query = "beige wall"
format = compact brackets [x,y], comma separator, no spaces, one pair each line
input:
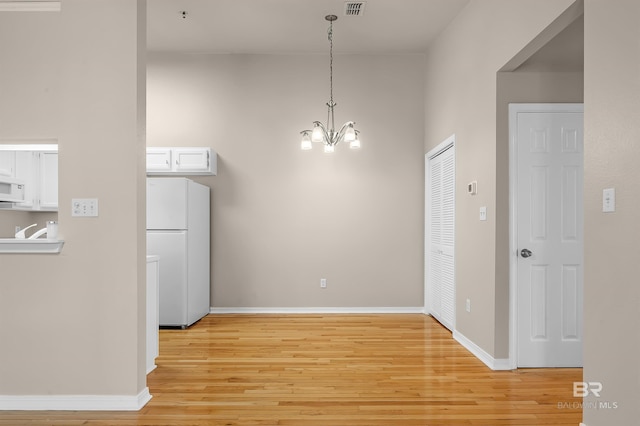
[612,150]
[461,99]
[283,218]
[70,323]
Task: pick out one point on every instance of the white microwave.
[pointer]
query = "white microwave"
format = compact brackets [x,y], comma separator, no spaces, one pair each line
[11,190]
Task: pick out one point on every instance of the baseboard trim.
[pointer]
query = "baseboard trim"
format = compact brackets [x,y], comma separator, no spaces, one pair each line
[346,310]
[76,402]
[488,360]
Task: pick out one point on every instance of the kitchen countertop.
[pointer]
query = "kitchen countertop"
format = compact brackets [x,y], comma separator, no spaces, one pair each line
[39,245]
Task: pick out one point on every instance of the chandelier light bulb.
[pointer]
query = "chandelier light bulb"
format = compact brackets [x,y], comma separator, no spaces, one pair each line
[350,134]
[317,134]
[305,145]
[354,144]
[329,148]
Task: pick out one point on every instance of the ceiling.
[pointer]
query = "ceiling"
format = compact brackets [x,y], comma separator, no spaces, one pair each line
[295,26]
[299,26]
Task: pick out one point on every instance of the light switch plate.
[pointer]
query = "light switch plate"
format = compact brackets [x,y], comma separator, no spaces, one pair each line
[609,200]
[87,207]
[483,213]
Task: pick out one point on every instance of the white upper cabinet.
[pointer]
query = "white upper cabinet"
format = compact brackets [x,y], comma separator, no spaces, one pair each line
[192,160]
[48,196]
[7,163]
[181,161]
[39,170]
[158,160]
[36,165]
[25,168]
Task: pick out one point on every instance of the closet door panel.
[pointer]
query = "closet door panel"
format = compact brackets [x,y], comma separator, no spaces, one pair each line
[440,236]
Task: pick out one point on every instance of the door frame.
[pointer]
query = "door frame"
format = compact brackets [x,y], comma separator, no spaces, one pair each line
[514,109]
[448,143]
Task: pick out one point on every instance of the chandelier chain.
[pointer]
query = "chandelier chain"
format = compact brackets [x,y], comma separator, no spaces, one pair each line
[331,61]
[332,104]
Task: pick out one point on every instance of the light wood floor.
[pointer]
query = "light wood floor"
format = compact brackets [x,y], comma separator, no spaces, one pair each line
[331,370]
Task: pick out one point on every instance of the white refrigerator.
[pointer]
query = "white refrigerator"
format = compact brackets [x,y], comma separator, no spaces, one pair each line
[178,227]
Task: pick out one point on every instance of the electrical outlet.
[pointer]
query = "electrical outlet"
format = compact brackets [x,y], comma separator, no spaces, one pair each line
[468,305]
[323,283]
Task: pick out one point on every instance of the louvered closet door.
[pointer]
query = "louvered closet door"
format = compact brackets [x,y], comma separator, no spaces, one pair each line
[439,244]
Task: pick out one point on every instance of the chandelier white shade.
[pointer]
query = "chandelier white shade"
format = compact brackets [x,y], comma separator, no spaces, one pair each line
[326,134]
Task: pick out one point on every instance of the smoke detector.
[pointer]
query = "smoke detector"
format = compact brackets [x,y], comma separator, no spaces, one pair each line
[354,8]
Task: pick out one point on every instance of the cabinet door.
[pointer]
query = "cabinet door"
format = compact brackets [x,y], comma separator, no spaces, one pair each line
[158,160]
[27,171]
[39,170]
[48,180]
[192,159]
[7,163]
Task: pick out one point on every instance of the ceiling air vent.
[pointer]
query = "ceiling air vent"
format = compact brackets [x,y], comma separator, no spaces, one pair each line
[354,8]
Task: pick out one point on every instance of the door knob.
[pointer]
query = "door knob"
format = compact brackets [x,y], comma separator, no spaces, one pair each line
[526,253]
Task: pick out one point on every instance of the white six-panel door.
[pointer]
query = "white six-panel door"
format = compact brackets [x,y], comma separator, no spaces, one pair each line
[549,241]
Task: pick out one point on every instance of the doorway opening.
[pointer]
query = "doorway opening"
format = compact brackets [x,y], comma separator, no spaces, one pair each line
[548,70]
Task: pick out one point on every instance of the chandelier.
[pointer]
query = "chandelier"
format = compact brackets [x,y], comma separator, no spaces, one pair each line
[327,133]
